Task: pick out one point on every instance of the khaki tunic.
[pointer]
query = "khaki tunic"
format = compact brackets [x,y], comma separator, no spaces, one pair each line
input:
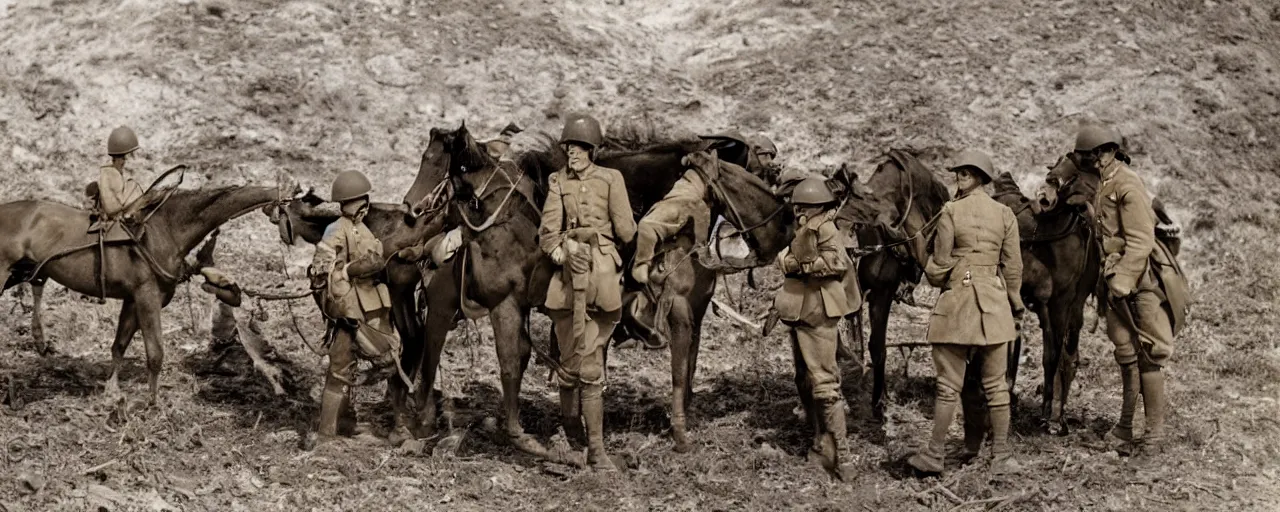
[977,261]
[1126,227]
[686,202]
[816,289]
[591,207]
[115,191]
[347,242]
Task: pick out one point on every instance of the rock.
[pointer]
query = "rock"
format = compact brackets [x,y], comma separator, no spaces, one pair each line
[388,70]
[102,495]
[20,154]
[30,483]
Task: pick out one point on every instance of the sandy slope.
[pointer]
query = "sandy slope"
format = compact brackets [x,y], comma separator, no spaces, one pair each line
[243,89]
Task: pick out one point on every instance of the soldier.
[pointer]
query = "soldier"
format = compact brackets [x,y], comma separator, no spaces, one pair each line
[358,308]
[812,300]
[977,261]
[116,189]
[586,214]
[687,201]
[761,163]
[1141,316]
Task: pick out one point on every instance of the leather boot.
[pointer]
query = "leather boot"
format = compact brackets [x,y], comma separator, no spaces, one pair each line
[929,460]
[571,415]
[1154,405]
[593,413]
[836,430]
[1121,438]
[331,402]
[1002,461]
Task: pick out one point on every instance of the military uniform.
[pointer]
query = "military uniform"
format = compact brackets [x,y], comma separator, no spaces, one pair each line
[685,203]
[813,298]
[586,214]
[116,191]
[358,307]
[977,261]
[1139,321]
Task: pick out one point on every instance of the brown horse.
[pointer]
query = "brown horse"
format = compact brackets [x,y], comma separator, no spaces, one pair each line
[46,240]
[909,196]
[502,273]
[1061,270]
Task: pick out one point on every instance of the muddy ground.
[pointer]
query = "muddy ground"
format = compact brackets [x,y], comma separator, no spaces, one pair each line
[240,90]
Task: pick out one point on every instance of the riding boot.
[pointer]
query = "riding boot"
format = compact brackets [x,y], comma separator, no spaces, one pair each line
[593,412]
[836,430]
[331,402]
[977,419]
[1002,461]
[930,459]
[571,415]
[1121,436]
[1154,405]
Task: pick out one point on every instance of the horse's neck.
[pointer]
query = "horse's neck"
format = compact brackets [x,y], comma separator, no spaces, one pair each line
[195,216]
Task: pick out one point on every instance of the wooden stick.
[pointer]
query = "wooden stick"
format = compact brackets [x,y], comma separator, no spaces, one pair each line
[100,467]
[997,499]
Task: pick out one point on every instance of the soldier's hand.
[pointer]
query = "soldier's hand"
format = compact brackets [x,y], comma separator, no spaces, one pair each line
[641,273]
[557,256]
[580,261]
[412,253]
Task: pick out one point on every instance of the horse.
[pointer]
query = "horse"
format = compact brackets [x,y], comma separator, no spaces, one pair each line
[502,272]
[48,240]
[908,196]
[1061,267]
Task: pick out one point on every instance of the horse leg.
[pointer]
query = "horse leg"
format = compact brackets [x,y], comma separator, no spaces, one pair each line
[1061,333]
[405,316]
[881,301]
[695,342]
[681,343]
[442,308]
[126,327]
[1011,368]
[37,321]
[148,313]
[1048,359]
[513,356]
[1067,365]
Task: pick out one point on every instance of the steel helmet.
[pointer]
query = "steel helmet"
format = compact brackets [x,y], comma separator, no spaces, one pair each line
[582,129]
[792,176]
[1093,136]
[764,145]
[812,191]
[350,185]
[726,136]
[977,161]
[122,141]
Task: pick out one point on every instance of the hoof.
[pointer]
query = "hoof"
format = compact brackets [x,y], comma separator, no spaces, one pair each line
[1057,429]
[526,443]
[682,447]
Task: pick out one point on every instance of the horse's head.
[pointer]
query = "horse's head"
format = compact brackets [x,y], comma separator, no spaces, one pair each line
[1065,185]
[859,207]
[305,217]
[761,218]
[449,153]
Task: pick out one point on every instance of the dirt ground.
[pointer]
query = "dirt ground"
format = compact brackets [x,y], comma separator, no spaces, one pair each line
[240,90]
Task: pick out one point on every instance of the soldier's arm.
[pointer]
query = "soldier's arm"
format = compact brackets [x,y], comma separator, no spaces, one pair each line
[111,190]
[549,235]
[832,260]
[624,223]
[1139,231]
[1011,259]
[941,261]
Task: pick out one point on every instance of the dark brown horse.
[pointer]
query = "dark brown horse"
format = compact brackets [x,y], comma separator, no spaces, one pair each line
[502,273]
[46,240]
[909,196]
[1061,270]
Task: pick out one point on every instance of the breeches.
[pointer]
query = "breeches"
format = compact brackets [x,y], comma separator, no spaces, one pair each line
[583,360]
[814,349]
[655,227]
[1154,332]
[951,360]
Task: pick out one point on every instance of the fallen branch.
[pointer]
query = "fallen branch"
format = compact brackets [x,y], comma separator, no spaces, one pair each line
[1009,501]
[100,467]
[739,317]
[999,500]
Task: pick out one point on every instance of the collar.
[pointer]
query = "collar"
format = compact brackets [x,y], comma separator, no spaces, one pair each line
[586,173]
[978,191]
[1110,171]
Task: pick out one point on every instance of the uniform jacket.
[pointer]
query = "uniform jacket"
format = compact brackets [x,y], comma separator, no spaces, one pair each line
[591,207]
[1126,227]
[347,241]
[816,266]
[115,191]
[977,261]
